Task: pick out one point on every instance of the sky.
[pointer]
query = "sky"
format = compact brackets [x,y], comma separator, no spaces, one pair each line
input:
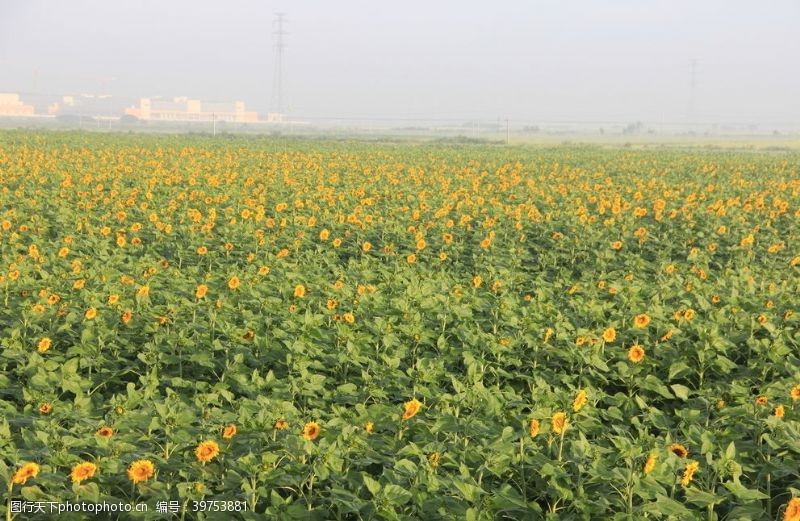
[527,60]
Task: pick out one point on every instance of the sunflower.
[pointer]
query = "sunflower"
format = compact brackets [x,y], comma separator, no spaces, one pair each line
[412,407]
[331,304]
[780,411]
[229,431]
[795,392]
[126,316]
[650,464]
[90,314]
[141,470]
[281,424]
[534,428]
[233,282]
[433,459]
[477,280]
[25,472]
[559,422]
[299,291]
[263,270]
[201,291]
[45,408]
[311,431]
[83,471]
[610,334]
[579,401]
[688,473]
[366,247]
[679,450]
[641,320]
[636,354]
[369,427]
[762,400]
[792,512]
[349,318]
[44,344]
[202,250]
[324,234]
[206,451]
[105,432]
[411,259]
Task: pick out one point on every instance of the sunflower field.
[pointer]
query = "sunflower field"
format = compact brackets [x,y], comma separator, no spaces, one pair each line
[262,328]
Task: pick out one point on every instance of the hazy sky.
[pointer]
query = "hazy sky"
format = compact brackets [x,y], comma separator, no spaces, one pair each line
[573,60]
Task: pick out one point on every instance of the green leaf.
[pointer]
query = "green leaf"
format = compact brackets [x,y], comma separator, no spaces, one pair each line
[701,498]
[681,391]
[396,494]
[743,493]
[373,486]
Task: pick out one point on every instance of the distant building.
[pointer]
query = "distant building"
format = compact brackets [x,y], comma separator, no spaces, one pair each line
[83,105]
[275,117]
[11,105]
[185,109]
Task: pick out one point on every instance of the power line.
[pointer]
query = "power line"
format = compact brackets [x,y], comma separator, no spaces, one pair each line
[692,89]
[277,78]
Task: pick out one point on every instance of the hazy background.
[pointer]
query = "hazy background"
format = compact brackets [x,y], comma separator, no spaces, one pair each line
[574,60]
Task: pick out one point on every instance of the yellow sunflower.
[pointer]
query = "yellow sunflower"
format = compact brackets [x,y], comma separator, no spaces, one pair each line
[559,422]
[83,471]
[412,407]
[310,431]
[206,451]
[141,470]
[24,473]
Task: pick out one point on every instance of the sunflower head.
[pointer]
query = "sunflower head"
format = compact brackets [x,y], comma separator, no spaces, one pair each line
[411,408]
[679,450]
[24,473]
[792,512]
[206,451]
[636,354]
[534,428]
[83,471]
[311,431]
[141,470]
[105,432]
[650,464]
[641,320]
[559,421]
